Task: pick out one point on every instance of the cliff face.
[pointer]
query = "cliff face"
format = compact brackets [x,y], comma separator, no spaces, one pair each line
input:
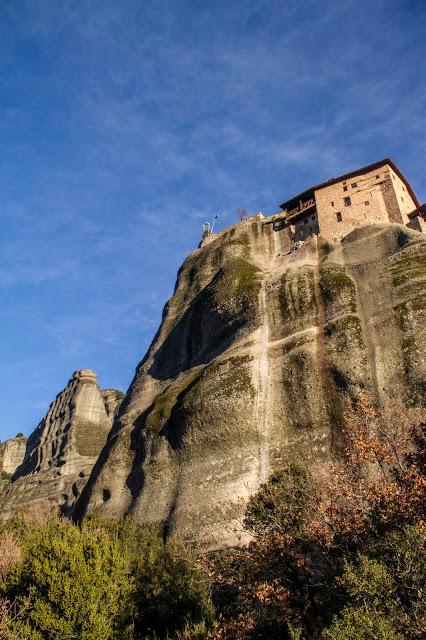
[250,366]
[12,453]
[62,450]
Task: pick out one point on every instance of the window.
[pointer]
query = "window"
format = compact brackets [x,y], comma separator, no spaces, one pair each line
[403,188]
[345,188]
[353,185]
[367,202]
[347,201]
[332,204]
[312,217]
[339,216]
[402,199]
[378,176]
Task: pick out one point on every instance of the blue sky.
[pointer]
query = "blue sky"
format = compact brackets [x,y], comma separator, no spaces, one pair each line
[124,125]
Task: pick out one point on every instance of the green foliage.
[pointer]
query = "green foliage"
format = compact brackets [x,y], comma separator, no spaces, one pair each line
[76,581]
[105,580]
[358,624]
[282,503]
[367,580]
[171,593]
[20,435]
[384,591]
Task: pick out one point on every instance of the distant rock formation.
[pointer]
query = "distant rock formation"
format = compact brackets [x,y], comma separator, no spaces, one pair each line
[256,351]
[62,450]
[12,453]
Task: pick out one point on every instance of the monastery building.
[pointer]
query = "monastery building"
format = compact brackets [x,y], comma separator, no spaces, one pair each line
[376,193]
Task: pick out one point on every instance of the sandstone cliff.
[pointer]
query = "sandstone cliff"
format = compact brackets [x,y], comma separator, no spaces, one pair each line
[62,450]
[12,453]
[255,353]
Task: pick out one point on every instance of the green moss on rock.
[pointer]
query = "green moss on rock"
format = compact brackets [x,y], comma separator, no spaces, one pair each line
[238,279]
[408,267]
[337,290]
[164,403]
[230,376]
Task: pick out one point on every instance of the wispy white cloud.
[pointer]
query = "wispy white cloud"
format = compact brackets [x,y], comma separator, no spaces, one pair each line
[124,125]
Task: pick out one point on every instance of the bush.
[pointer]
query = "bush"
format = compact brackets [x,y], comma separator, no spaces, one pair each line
[338,551]
[105,580]
[76,581]
[10,554]
[384,592]
[358,624]
[283,503]
[171,593]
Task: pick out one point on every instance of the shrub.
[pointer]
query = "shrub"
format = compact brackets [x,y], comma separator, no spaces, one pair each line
[171,594]
[283,503]
[358,624]
[77,582]
[384,591]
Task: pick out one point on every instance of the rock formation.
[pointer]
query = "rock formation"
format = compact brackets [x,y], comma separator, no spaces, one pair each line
[62,450]
[12,453]
[256,351]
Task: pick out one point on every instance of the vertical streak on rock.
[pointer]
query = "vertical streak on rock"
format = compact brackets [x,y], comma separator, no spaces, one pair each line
[320,339]
[321,319]
[263,390]
[362,286]
[263,399]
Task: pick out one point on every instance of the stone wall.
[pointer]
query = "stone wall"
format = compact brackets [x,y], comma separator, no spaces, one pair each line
[375,197]
[404,201]
[306,227]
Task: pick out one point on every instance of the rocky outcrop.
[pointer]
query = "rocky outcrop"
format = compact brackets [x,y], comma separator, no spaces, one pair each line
[256,352]
[12,453]
[62,450]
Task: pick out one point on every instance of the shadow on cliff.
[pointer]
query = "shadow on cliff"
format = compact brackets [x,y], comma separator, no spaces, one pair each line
[143,440]
[205,330]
